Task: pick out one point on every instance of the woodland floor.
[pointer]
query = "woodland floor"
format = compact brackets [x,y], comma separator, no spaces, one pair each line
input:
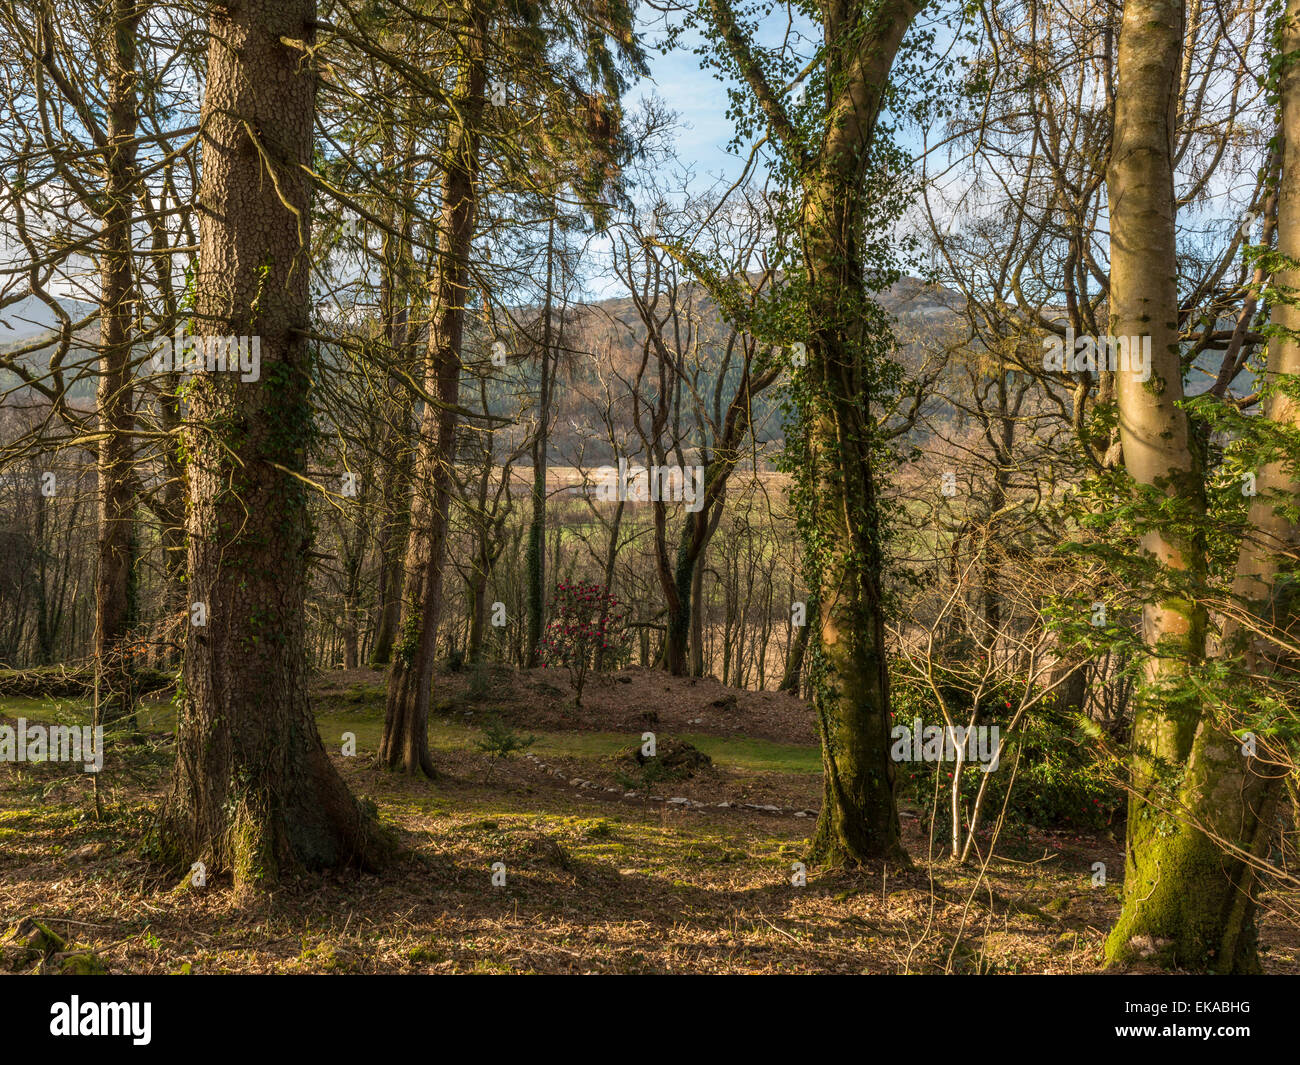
[595,881]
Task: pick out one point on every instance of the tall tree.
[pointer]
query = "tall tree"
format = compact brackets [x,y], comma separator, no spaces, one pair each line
[536,557]
[1199,812]
[842,522]
[116,393]
[716,375]
[253,791]
[534,53]
[405,742]
[397,406]
[1155,433]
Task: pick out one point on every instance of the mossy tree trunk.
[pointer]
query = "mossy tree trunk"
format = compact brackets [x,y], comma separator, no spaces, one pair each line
[1203,907]
[850,679]
[1194,799]
[253,792]
[1158,453]
[842,530]
[1240,796]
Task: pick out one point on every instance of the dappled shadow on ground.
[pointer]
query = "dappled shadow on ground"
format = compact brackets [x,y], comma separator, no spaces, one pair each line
[592,883]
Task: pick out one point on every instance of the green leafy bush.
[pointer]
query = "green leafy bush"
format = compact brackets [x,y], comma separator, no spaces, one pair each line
[1060,779]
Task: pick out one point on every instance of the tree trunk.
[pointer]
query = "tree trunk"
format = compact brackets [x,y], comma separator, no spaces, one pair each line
[611,556]
[114,698]
[351,626]
[172,535]
[483,561]
[536,557]
[697,616]
[682,595]
[850,682]
[1176,896]
[859,819]
[477,587]
[1238,802]
[393,534]
[794,661]
[405,742]
[47,619]
[678,634]
[395,513]
[253,791]
[1211,923]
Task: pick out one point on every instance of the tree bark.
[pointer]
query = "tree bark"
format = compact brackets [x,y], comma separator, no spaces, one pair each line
[697,612]
[395,470]
[858,822]
[115,401]
[682,584]
[1180,908]
[536,556]
[1230,799]
[253,792]
[790,681]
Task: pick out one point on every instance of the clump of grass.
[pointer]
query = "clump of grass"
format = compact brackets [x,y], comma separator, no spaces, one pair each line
[597,829]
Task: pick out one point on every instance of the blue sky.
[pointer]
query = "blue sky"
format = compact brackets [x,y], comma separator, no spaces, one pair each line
[700,136]
[700,100]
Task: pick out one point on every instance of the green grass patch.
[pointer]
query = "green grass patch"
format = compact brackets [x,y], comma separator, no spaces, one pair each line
[366,720]
[154,715]
[737,752]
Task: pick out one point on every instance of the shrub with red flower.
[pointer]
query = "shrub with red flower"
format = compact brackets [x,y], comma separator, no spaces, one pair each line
[588,628]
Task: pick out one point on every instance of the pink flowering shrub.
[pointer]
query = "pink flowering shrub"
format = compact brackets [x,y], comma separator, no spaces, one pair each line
[587,630]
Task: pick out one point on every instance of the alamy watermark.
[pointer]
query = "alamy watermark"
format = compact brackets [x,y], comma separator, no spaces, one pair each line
[1073,354]
[203,354]
[53,743]
[637,484]
[77,1018]
[936,743]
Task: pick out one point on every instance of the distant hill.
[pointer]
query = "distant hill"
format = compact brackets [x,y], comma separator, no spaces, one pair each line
[30,318]
[603,344]
[605,339]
